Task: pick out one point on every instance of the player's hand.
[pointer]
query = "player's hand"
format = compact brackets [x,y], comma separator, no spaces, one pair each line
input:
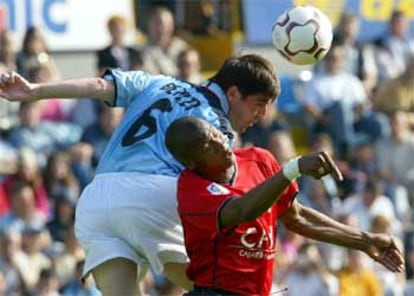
[318,165]
[14,87]
[382,248]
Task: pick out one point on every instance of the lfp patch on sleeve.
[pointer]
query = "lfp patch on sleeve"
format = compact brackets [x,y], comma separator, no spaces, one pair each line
[216,189]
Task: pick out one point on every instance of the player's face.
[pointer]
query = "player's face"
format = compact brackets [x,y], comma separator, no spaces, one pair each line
[215,156]
[247,110]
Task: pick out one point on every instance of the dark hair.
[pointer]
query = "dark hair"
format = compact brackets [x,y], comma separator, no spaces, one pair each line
[32,33]
[183,136]
[396,14]
[17,187]
[374,185]
[251,73]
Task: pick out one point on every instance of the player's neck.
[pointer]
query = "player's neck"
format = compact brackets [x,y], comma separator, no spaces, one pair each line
[226,177]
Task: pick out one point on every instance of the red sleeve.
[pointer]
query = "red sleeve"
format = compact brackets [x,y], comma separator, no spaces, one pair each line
[199,201]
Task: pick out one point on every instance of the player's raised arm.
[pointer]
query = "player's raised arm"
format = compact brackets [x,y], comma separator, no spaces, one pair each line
[14,87]
[256,201]
[312,224]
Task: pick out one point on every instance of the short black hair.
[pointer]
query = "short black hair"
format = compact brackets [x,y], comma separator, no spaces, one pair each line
[251,73]
[184,136]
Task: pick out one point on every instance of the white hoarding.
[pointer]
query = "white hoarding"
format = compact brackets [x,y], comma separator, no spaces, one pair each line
[66,24]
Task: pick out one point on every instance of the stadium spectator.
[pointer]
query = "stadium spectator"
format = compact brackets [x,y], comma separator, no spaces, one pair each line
[315,195]
[391,283]
[398,93]
[28,171]
[59,177]
[189,66]
[337,103]
[259,134]
[23,210]
[34,51]
[239,94]
[8,162]
[393,47]
[63,216]
[117,54]
[359,57]
[329,187]
[163,47]
[42,137]
[280,144]
[81,155]
[393,156]
[76,287]
[33,244]
[8,50]
[54,110]
[89,114]
[335,256]
[8,112]
[356,279]
[230,238]
[308,273]
[67,260]
[13,262]
[370,203]
[8,53]
[48,283]
[99,133]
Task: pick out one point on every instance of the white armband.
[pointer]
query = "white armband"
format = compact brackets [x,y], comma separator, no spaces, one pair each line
[291,169]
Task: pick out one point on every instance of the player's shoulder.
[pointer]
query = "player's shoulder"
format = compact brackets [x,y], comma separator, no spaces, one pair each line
[187,176]
[253,158]
[191,186]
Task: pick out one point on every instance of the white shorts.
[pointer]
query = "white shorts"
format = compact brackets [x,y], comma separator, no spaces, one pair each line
[130,215]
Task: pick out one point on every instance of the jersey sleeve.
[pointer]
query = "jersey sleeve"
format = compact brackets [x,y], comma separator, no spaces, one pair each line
[200,201]
[128,84]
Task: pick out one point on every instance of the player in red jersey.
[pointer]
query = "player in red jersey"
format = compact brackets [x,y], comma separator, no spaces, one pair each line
[229,204]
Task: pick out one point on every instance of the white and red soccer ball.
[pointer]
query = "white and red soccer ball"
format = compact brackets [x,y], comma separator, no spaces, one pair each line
[303,35]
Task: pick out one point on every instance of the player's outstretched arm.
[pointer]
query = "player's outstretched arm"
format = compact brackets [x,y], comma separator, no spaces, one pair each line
[14,87]
[255,202]
[312,224]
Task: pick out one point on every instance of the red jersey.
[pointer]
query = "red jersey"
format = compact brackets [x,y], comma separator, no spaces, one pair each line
[239,259]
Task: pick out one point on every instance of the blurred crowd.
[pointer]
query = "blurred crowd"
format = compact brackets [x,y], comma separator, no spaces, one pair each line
[357,104]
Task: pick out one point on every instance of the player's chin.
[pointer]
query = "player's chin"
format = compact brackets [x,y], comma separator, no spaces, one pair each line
[243,128]
[227,160]
[230,160]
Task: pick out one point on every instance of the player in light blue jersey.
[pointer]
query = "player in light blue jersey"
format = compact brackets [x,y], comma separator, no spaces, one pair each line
[126,218]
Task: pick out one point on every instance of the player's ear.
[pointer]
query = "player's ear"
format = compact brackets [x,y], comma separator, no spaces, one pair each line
[233,93]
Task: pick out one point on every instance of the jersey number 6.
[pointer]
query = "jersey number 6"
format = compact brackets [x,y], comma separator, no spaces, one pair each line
[145,120]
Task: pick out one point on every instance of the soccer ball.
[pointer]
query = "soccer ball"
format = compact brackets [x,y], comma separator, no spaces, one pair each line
[302,35]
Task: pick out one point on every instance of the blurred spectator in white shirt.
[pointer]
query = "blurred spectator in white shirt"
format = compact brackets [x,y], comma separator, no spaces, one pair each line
[394,155]
[163,48]
[308,275]
[371,203]
[337,104]
[189,66]
[393,47]
[360,57]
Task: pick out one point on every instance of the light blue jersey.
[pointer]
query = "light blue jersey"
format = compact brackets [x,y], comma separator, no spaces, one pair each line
[151,104]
